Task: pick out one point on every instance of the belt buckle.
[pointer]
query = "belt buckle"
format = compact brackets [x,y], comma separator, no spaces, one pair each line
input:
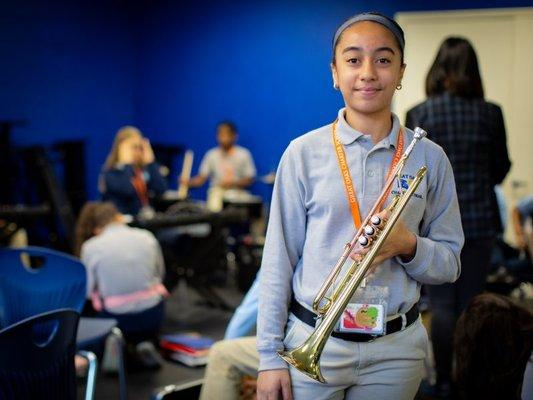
[404,321]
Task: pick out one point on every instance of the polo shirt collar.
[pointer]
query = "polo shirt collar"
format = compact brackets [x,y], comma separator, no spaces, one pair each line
[347,135]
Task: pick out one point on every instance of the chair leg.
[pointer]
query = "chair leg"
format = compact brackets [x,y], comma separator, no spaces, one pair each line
[121,367]
[91,373]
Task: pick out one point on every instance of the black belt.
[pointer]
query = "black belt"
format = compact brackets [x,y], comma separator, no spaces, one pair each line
[393,325]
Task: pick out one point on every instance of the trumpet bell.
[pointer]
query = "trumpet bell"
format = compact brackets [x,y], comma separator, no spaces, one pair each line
[305,360]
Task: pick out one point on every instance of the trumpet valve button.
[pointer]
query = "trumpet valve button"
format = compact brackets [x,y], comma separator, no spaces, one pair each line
[363,241]
[375,220]
[369,231]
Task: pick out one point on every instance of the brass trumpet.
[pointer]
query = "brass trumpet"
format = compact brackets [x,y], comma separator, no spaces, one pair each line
[372,233]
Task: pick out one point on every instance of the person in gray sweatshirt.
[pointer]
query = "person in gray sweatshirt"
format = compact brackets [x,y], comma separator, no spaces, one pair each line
[327,179]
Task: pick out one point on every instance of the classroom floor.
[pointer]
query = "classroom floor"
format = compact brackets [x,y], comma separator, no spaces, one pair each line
[184,313]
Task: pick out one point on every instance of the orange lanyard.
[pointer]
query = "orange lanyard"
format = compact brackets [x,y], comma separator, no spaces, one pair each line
[347,178]
[140,186]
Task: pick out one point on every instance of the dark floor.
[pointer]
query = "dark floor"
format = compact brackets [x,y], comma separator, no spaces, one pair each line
[185,312]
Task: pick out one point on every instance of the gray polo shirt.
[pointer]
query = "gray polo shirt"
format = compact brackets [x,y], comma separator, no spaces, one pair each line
[310,222]
[123,260]
[217,164]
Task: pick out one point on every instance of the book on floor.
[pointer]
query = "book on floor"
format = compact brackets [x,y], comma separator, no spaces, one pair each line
[191,349]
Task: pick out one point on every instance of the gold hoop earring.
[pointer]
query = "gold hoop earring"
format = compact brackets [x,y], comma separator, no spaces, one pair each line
[399,86]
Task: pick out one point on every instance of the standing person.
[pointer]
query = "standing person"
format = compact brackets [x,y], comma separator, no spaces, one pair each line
[228,166]
[311,219]
[472,133]
[131,176]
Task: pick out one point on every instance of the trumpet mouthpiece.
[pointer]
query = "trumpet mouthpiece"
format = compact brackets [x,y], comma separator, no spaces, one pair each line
[420,133]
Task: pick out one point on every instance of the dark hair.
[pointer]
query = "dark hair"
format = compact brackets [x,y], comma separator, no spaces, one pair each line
[493,342]
[93,215]
[399,35]
[229,124]
[455,70]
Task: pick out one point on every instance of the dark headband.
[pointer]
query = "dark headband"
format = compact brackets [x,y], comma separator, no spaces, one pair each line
[380,19]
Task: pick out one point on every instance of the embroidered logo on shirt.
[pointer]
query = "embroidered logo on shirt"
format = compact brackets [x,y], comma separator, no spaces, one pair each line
[405,182]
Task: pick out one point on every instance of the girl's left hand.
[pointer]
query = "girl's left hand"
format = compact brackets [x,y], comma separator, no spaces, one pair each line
[400,242]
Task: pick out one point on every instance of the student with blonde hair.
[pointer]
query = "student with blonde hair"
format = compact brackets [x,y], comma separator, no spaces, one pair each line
[131,176]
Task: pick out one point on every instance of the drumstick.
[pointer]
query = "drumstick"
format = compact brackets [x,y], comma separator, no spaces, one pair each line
[183,189]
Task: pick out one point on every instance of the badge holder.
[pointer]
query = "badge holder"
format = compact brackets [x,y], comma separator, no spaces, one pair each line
[367,313]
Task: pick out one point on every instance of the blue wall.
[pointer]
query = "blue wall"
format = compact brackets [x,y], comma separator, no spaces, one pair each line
[67,68]
[263,64]
[82,69]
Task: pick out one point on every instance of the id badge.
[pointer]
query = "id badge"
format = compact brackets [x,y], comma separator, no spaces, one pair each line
[367,313]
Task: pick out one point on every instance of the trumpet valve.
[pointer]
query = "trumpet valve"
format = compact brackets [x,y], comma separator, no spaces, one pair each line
[363,241]
[375,220]
[369,230]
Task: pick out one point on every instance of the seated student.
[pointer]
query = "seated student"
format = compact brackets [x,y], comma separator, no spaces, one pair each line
[131,177]
[244,319]
[236,357]
[522,216]
[230,168]
[493,342]
[515,263]
[230,361]
[125,268]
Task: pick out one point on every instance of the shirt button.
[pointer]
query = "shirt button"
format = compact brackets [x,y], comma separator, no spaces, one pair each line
[370,173]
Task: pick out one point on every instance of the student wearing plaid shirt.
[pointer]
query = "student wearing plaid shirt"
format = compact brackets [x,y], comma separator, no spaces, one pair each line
[472,133]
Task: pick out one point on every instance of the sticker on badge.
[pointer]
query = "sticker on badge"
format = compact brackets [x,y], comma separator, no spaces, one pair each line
[363,318]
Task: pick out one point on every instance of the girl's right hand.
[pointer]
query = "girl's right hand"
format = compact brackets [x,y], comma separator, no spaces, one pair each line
[272,383]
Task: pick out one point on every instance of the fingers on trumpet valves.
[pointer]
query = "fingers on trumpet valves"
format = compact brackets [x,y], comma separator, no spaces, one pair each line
[368,235]
[371,230]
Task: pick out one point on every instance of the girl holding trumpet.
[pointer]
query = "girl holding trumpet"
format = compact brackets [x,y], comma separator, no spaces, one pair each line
[326,180]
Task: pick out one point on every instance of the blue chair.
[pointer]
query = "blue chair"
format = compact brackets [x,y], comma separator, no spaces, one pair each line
[53,280]
[34,280]
[37,357]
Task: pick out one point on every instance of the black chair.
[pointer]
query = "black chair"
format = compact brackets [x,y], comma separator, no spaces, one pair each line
[37,357]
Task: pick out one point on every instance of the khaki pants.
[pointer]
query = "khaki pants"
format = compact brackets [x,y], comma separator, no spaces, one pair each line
[229,361]
[389,368]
